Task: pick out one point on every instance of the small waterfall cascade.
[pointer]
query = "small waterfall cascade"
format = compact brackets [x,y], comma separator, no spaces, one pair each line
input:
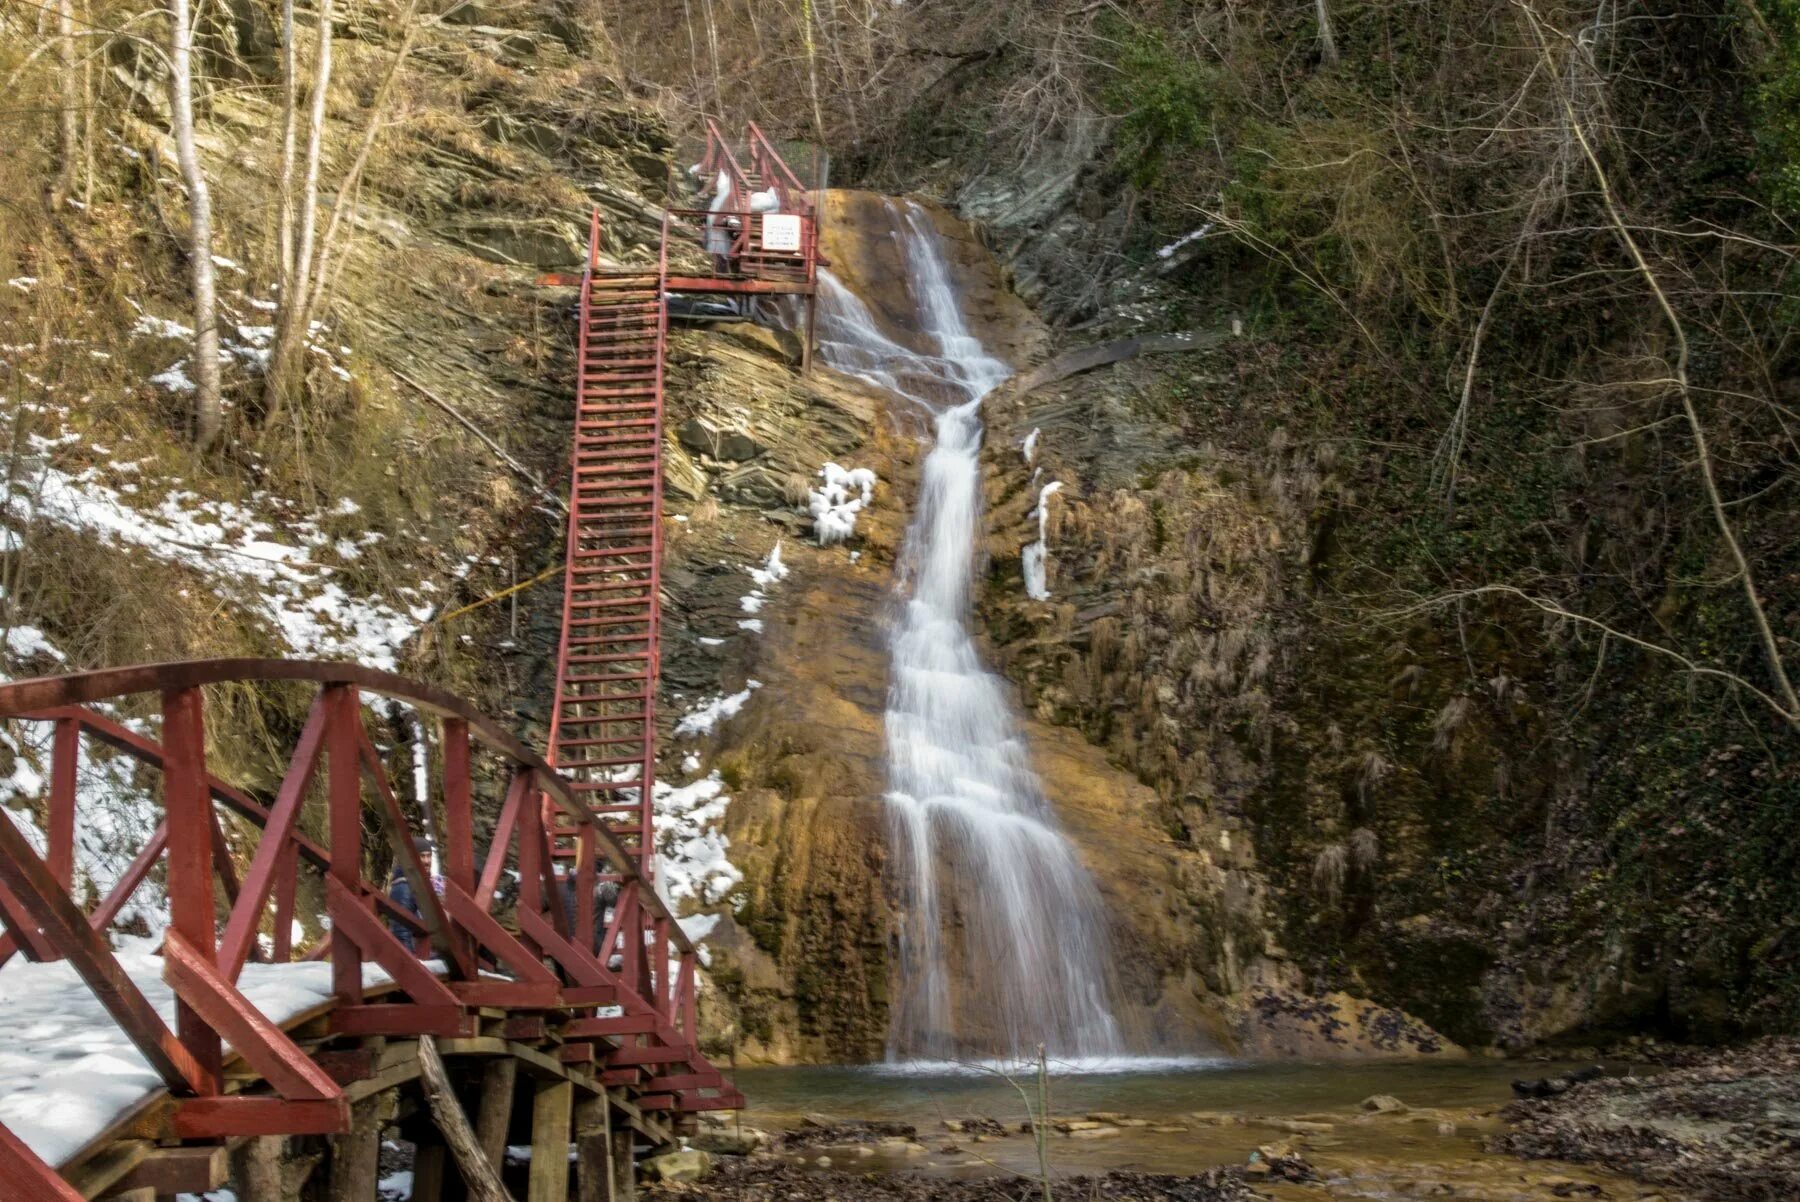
[1002,945]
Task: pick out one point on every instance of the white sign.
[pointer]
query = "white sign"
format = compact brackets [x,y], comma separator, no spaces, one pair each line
[781,231]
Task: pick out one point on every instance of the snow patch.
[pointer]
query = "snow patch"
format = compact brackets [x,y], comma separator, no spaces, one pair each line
[1032,558]
[721,709]
[834,506]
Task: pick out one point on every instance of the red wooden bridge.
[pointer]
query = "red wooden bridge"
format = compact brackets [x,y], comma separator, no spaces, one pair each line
[536,961]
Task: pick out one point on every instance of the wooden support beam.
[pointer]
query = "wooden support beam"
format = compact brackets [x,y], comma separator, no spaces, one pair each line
[225,1117]
[624,1024]
[593,1150]
[396,1018]
[624,1163]
[356,1155]
[430,1166]
[256,1170]
[183,1170]
[493,1114]
[188,802]
[480,1173]
[550,1109]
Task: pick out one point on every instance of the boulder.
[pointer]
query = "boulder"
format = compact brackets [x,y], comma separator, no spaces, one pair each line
[1382,1103]
[685,1164]
[705,437]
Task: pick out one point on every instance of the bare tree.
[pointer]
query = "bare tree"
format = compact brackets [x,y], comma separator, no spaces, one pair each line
[69,134]
[288,354]
[207,413]
[1327,39]
[290,104]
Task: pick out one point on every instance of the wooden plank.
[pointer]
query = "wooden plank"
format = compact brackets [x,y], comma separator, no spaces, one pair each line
[529,1028]
[683,1082]
[226,1117]
[398,1019]
[550,1112]
[185,1170]
[576,1053]
[97,1173]
[624,1024]
[674,1055]
[506,994]
[345,1065]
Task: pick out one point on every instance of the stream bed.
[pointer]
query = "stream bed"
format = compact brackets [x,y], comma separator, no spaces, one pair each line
[1184,1119]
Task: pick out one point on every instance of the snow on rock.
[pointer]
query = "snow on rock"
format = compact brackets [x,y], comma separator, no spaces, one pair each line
[243,556]
[721,709]
[1029,446]
[692,861]
[1032,558]
[772,570]
[834,506]
[67,1071]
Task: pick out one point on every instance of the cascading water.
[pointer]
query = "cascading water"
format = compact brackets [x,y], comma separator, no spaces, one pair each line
[978,840]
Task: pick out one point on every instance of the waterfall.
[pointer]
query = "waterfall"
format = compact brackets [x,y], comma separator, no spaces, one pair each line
[993,894]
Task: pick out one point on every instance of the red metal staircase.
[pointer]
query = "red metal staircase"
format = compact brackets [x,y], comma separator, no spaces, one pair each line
[603,723]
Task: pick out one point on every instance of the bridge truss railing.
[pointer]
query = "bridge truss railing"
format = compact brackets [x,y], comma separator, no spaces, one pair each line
[550,947]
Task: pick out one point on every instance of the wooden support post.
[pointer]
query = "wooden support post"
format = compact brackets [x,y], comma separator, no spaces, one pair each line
[65,756]
[429,1164]
[458,825]
[187,799]
[623,1153]
[493,1114]
[549,1181]
[343,750]
[356,1157]
[593,1149]
[256,1170]
[480,1177]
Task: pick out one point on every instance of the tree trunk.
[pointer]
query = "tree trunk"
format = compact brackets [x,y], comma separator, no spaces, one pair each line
[284,196]
[287,358]
[69,130]
[206,330]
[1327,39]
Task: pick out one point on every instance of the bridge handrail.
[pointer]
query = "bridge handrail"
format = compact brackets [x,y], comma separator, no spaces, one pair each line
[22,698]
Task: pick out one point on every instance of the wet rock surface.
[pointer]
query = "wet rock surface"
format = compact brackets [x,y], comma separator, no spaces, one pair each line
[1726,1129]
[767,1181]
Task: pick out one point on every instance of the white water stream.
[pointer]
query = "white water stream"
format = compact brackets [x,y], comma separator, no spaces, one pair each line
[994,895]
